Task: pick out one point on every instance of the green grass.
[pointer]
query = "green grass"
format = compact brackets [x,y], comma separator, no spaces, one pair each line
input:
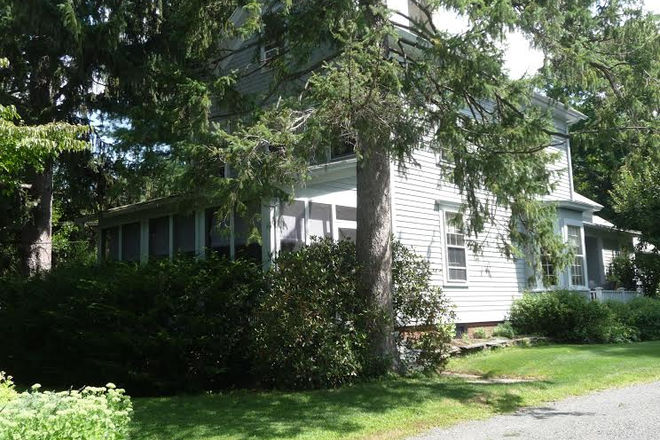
[396,408]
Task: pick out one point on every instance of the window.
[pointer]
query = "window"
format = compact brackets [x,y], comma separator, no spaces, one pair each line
[130,242]
[244,248]
[159,238]
[577,268]
[217,234]
[110,243]
[548,274]
[184,234]
[270,50]
[293,226]
[320,220]
[456,250]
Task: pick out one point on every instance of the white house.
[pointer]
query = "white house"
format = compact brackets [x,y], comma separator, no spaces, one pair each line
[482,286]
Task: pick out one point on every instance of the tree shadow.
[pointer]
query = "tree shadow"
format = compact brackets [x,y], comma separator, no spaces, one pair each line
[245,415]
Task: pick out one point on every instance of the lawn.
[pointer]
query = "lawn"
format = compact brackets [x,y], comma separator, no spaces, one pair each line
[396,408]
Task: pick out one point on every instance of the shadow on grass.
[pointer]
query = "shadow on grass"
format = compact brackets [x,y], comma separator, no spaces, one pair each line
[342,412]
[648,349]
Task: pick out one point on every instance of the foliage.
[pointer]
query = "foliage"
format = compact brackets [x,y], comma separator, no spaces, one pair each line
[622,272]
[312,325]
[636,185]
[417,303]
[626,271]
[7,391]
[568,316]
[642,314]
[92,413]
[504,330]
[160,328]
[480,333]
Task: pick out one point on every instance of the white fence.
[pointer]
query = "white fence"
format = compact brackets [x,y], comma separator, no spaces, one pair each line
[619,295]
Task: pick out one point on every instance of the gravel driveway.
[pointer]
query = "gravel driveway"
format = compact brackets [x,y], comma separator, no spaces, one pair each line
[626,413]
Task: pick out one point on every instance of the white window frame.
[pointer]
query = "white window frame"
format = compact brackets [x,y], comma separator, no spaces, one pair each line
[445,229]
[585,275]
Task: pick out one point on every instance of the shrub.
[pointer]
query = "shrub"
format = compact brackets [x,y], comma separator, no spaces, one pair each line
[568,316]
[309,327]
[625,271]
[7,391]
[420,305]
[504,330]
[161,328]
[622,273]
[480,333]
[642,314]
[92,414]
[312,327]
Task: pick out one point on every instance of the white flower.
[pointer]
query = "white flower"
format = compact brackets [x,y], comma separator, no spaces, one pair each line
[36,386]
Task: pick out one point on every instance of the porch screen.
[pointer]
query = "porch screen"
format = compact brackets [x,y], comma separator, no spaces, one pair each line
[159,238]
[346,223]
[184,234]
[292,231]
[217,233]
[320,220]
[130,242]
[243,229]
[110,243]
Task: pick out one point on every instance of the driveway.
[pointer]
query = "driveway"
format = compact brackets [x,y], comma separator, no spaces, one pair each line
[626,413]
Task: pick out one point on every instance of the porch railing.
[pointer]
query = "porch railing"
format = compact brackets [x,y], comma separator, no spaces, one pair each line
[620,295]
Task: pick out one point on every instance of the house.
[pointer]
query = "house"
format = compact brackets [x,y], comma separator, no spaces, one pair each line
[482,285]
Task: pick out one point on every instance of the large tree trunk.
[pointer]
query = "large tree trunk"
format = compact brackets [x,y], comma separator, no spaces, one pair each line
[36,235]
[374,249]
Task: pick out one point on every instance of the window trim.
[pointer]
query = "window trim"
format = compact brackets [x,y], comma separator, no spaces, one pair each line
[444,229]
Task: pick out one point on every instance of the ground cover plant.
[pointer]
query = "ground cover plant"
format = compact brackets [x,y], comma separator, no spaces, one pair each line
[91,413]
[400,407]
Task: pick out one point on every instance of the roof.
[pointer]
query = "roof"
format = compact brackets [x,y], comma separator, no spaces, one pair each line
[600,223]
[578,202]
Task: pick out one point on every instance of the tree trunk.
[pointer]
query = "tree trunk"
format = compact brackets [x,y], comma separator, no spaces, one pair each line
[36,235]
[374,250]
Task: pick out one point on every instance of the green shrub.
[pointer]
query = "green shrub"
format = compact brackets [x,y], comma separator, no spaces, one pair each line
[480,333]
[642,314]
[504,330]
[420,305]
[7,391]
[309,327]
[91,414]
[161,328]
[625,271]
[568,316]
[622,272]
[312,327]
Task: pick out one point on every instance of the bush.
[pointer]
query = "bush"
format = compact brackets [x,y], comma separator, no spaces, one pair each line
[642,314]
[161,328]
[625,271]
[92,414]
[7,391]
[569,317]
[480,333]
[312,327]
[419,305]
[504,330]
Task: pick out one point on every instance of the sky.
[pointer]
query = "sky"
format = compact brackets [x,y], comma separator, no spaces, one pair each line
[520,57]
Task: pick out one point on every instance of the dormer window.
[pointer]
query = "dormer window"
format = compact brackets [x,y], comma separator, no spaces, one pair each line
[270,50]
